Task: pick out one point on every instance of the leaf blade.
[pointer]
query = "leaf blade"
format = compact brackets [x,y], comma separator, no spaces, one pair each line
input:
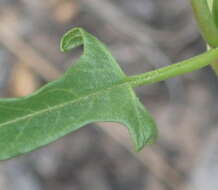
[92,90]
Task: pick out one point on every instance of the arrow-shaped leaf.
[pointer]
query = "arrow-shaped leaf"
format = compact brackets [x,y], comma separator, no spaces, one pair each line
[94,89]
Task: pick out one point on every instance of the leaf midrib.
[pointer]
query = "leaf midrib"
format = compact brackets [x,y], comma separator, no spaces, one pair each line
[99,91]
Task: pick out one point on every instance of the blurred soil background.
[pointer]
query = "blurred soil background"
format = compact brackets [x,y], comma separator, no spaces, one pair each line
[142,35]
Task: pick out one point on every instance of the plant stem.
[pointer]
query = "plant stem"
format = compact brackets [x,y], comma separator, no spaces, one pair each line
[214,65]
[205,21]
[174,70]
[215,11]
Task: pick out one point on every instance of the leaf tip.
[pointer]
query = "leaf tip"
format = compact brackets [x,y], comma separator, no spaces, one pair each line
[71,39]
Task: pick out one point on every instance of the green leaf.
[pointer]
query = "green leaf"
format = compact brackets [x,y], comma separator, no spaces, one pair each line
[93,89]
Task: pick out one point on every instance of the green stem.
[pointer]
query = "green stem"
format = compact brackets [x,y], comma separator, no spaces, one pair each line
[205,21]
[215,12]
[174,70]
[215,18]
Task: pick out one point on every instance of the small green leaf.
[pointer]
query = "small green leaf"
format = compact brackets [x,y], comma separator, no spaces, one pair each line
[93,89]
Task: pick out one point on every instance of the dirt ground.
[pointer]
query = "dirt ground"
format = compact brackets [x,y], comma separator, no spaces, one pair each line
[142,35]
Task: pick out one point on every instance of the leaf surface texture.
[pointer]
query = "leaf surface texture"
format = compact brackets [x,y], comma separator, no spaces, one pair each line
[93,89]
